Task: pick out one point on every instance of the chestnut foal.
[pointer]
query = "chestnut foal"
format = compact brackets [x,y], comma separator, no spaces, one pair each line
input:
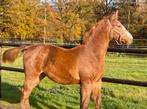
[82,65]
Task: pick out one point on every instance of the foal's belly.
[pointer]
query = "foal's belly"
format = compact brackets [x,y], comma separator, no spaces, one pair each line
[62,80]
[62,76]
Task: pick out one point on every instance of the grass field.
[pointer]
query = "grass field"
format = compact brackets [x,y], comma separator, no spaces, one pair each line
[49,95]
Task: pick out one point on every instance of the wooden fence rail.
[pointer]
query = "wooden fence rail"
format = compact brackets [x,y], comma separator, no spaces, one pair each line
[105,79]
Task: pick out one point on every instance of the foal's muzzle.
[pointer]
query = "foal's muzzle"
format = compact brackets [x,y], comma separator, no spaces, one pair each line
[129,38]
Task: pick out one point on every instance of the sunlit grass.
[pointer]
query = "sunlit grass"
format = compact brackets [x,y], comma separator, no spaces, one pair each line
[50,95]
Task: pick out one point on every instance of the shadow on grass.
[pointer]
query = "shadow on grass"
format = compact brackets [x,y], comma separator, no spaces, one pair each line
[49,98]
[58,96]
[11,93]
[40,98]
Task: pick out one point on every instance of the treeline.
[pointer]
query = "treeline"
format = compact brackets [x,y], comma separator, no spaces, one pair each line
[65,20]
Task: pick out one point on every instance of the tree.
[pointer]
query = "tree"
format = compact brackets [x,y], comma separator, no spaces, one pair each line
[67,23]
[133,17]
[5,18]
[66,20]
[18,18]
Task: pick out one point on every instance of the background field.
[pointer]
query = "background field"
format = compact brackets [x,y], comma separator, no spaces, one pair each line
[49,95]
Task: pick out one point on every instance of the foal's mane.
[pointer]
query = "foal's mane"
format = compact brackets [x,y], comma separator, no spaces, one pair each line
[88,35]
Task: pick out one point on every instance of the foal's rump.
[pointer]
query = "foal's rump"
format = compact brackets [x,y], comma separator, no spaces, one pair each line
[11,54]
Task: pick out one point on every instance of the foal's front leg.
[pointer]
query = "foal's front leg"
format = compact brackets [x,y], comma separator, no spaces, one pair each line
[96,94]
[85,92]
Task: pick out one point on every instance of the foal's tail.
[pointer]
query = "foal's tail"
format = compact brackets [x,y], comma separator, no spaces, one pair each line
[11,54]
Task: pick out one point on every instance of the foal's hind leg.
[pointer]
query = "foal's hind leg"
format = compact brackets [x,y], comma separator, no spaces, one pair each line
[96,94]
[29,83]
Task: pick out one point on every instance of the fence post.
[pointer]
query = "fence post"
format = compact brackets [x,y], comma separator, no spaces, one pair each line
[0,65]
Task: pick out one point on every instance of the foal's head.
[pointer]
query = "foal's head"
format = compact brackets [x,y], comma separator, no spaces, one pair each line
[118,31]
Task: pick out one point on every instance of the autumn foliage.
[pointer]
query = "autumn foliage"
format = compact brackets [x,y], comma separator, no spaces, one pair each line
[64,20]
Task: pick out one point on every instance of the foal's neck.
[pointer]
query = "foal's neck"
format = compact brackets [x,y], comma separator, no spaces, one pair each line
[99,40]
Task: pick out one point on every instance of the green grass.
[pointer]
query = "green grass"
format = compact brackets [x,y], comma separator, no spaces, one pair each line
[49,95]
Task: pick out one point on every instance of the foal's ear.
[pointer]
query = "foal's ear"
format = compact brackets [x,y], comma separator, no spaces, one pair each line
[114,16]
